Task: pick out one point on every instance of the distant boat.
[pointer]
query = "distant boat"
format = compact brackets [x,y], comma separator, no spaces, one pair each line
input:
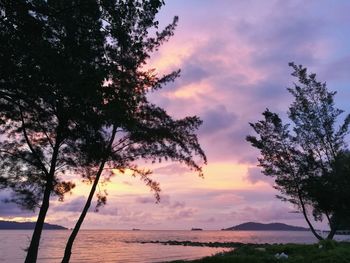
[196,229]
[136,229]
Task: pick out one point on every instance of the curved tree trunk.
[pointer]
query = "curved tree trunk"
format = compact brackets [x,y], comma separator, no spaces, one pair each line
[307,219]
[333,227]
[73,235]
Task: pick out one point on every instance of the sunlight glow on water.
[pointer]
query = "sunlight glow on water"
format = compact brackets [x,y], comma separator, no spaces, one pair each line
[113,246]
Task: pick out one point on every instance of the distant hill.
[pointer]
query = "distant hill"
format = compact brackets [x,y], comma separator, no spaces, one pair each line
[252,226]
[12,225]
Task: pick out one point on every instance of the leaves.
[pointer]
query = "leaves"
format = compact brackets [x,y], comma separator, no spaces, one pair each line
[72,78]
[303,154]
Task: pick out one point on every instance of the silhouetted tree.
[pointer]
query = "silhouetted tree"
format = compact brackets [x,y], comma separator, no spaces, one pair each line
[52,69]
[331,192]
[73,99]
[137,129]
[304,156]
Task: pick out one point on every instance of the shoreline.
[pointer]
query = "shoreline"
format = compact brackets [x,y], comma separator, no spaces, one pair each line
[202,244]
[326,251]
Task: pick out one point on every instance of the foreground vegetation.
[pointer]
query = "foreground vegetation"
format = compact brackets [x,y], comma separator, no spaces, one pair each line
[324,252]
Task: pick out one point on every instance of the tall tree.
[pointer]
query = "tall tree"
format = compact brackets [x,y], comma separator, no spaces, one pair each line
[305,154]
[52,58]
[136,128]
[73,98]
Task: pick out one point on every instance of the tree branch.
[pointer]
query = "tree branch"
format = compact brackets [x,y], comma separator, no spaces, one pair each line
[30,144]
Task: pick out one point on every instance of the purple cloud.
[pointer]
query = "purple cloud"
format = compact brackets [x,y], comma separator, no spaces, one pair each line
[216,119]
[255,175]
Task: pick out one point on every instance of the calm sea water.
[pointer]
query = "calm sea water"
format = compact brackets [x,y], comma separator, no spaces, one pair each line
[121,246]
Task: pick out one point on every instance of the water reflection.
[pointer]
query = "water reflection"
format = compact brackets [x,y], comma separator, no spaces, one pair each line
[118,246]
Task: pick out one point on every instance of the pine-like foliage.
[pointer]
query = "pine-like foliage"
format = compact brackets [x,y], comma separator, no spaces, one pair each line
[304,155]
[73,98]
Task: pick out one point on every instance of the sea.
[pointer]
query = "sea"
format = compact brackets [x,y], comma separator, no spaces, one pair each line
[107,246]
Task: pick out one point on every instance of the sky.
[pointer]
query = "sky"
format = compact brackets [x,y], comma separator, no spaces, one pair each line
[233,57]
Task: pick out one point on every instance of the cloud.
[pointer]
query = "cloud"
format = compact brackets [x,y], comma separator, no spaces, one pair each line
[219,198]
[216,120]
[12,210]
[192,73]
[135,216]
[76,204]
[183,214]
[9,209]
[145,200]
[337,70]
[165,202]
[172,169]
[255,175]
[228,199]
[265,214]
[177,204]
[231,76]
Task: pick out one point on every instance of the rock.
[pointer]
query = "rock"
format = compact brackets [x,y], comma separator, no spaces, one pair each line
[281,256]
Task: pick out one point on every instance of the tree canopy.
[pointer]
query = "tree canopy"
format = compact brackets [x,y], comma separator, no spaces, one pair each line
[307,155]
[52,70]
[73,97]
[48,74]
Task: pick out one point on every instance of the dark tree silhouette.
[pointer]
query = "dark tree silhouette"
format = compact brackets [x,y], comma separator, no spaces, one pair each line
[331,192]
[137,129]
[304,155]
[52,68]
[73,99]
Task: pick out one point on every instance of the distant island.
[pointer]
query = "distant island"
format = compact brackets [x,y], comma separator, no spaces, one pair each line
[253,226]
[12,225]
[196,229]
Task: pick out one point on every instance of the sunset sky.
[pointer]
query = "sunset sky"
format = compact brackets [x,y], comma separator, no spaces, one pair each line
[233,57]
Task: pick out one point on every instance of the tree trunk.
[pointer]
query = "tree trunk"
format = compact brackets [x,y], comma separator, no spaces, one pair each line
[307,219]
[331,233]
[73,235]
[311,226]
[333,227]
[32,253]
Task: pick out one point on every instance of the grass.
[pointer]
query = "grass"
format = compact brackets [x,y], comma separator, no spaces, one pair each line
[324,252]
